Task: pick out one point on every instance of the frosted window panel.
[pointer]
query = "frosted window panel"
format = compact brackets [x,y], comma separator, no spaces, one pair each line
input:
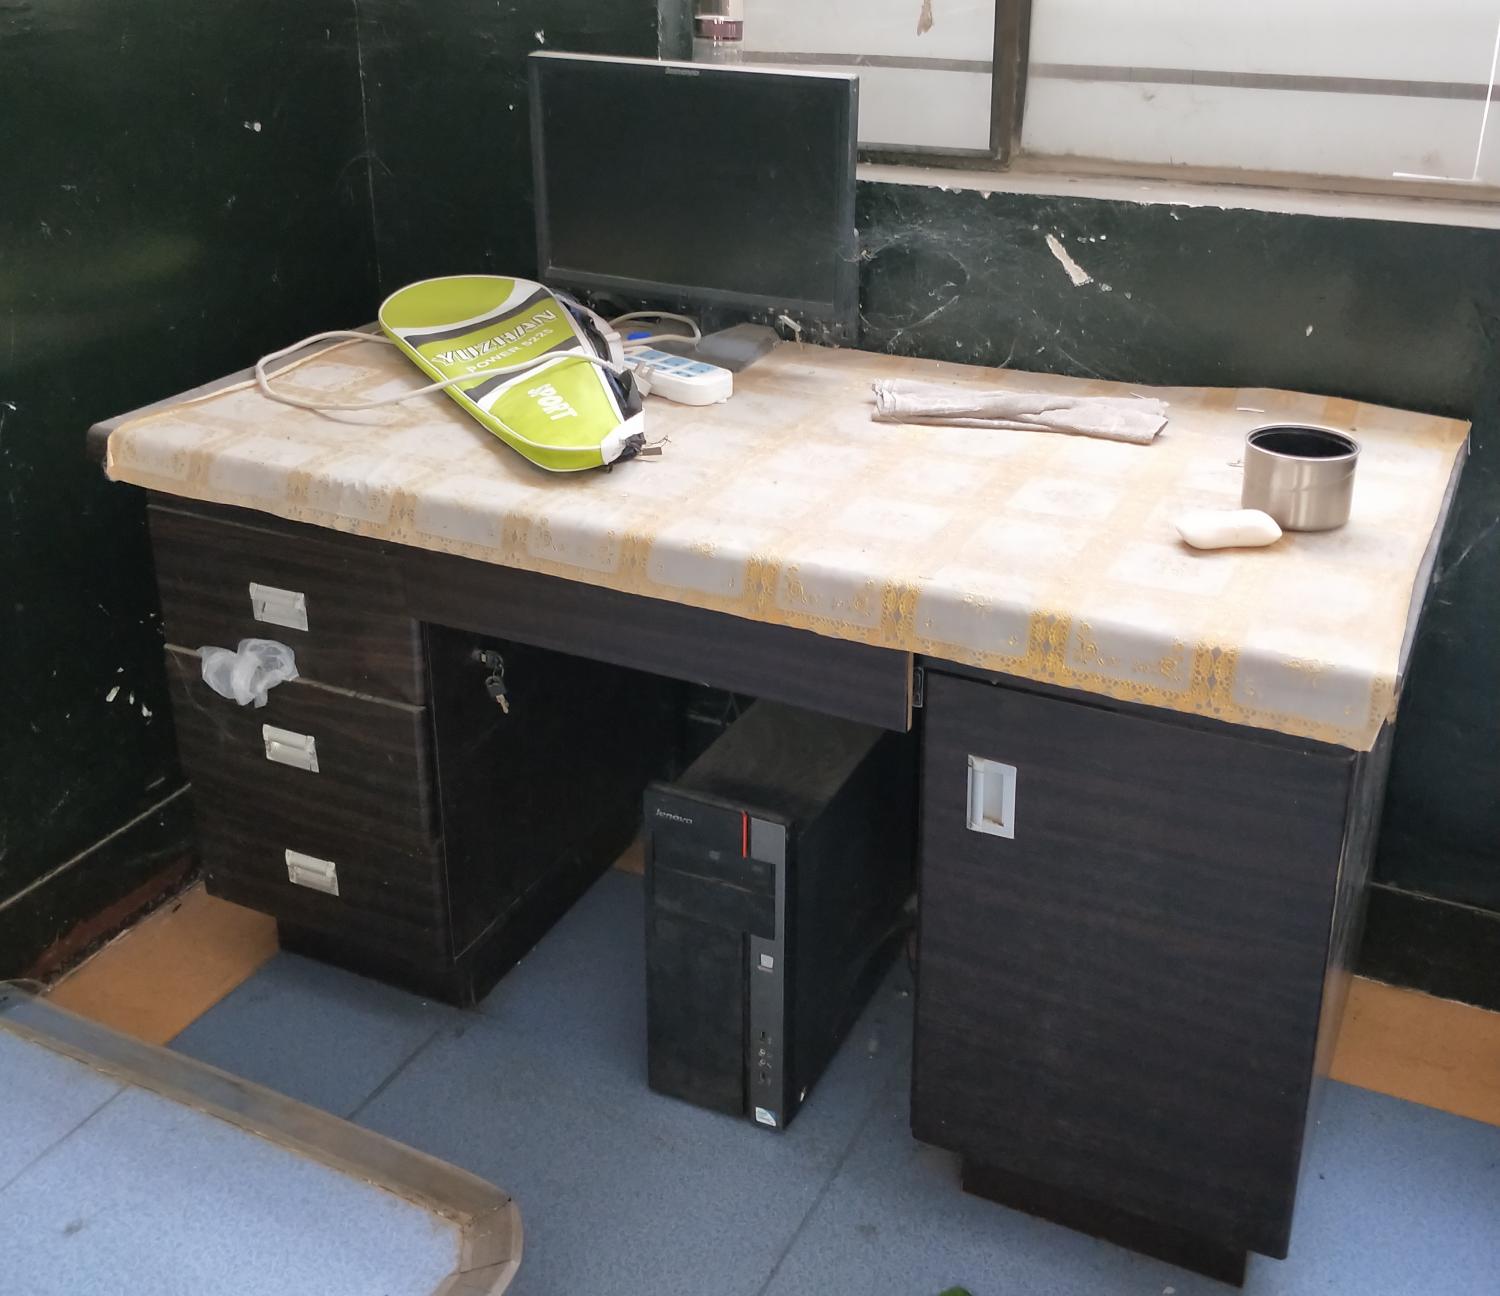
[954,107]
[1336,135]
[1428,40]
[1489,154]
[1379,87]
[931,87]
[961,29]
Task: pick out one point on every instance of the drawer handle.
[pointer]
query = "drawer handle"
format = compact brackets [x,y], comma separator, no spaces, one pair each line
[992,797]
[281,607]
[312,872]
[288,748]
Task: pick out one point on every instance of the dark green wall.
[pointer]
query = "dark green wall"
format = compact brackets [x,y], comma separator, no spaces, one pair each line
[182,185]
[446,103]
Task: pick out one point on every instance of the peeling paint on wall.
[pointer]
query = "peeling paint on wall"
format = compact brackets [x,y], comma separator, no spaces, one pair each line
[1076,272]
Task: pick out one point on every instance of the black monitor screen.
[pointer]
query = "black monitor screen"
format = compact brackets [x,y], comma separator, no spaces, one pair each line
[696,183]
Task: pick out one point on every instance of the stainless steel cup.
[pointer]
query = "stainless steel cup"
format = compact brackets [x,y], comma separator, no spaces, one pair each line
[1303,476]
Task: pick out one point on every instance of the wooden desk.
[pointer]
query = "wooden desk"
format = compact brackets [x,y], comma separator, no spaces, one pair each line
[1123,1008]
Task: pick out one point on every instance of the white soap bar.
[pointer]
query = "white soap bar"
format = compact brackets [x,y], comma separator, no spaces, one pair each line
[1228,528]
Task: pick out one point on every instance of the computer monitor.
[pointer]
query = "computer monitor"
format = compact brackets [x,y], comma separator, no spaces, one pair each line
[728,191]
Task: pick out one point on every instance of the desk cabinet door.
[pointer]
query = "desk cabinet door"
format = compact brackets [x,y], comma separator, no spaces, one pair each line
[539,799]
[1120,999]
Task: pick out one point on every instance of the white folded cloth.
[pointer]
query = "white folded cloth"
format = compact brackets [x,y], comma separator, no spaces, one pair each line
[1136,419]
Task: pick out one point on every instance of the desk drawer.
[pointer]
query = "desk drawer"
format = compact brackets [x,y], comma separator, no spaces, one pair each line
[373,766]
[336,600]
[364,890]
[855,681]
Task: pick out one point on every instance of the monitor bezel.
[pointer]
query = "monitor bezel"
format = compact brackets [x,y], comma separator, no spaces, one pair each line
[834,318]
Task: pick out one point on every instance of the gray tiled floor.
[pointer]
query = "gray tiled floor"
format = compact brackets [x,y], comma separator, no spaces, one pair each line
[624,1192]
[43,1099]
[313,1032]
[139,1194]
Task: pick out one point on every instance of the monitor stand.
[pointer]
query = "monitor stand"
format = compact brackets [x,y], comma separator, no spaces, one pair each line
[735,348]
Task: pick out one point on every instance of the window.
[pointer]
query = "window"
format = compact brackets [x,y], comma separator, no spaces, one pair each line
[927,68]
[1375,89]
[1368,90]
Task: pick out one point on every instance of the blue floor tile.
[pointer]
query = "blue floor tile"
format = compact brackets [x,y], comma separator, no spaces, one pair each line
[1399,1198]
[622,1190]
[312,1032]
[895,1222]
[1396,1200]
[43,1097]
[543,1091]
[153,1196]
[590,970]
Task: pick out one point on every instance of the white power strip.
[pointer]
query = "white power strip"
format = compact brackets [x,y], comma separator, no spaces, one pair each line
[680,378]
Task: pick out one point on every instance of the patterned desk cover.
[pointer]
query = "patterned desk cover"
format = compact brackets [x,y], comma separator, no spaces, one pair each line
[1045,556]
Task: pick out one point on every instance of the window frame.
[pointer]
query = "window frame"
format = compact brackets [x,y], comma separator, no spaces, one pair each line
[1009,72]
[1009,59]
[1007,69]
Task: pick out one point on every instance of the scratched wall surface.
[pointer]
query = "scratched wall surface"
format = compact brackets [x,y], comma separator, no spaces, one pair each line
[183,187]
[1396,313]
[446,103]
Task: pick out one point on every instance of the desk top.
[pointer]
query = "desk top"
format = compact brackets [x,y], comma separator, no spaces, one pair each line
[1040,555]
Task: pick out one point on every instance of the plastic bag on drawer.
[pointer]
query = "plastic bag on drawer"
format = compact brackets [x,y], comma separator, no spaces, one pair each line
[248,673]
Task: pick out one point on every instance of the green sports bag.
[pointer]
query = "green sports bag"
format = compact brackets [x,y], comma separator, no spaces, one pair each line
[538,369]
[542,372]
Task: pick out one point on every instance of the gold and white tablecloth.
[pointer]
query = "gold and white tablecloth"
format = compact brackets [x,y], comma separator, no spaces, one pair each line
[1045,556]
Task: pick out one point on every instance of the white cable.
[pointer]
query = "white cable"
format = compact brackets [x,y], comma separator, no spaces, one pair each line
[630,344]
[298,402]
[659,315]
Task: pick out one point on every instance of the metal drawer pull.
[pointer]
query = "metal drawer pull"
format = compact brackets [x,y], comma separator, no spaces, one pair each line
[992,797]
[288,748]
[310,871]
[281,607]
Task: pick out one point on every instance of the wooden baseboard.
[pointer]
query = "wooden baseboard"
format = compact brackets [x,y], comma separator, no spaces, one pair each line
[1438,946]
[157,978]
[1431,1051]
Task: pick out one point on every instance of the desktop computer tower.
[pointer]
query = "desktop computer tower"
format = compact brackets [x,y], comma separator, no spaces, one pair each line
[778,870]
